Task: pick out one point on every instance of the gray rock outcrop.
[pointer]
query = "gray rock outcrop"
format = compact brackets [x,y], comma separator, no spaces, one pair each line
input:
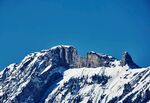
[29,80]
[127,60]
[98,60]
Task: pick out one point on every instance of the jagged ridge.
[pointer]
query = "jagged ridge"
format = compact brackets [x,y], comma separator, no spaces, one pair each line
[32,80]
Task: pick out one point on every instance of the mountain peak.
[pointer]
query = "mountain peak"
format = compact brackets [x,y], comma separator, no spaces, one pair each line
[59,75]
[127,60]
[62,46]
[127,57]
[63,55]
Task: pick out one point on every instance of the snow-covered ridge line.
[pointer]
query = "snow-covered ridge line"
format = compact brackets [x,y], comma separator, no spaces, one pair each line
[101,85]
[92,59]
[60,75]
[61,46]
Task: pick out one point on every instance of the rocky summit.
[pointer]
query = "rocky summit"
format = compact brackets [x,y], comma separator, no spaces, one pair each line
[61,75]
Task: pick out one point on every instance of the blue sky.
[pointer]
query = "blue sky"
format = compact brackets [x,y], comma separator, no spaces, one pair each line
[104,26]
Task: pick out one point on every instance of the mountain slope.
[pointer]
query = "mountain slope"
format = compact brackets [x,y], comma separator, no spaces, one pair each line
[102,85]
[60,75]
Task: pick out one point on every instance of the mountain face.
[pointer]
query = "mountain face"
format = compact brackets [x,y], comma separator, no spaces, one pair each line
[60,75]
[127,59]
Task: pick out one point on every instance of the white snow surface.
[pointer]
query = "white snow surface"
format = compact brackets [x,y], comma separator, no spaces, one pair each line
[98,85]
[46,69]
[119,76]
[59,46]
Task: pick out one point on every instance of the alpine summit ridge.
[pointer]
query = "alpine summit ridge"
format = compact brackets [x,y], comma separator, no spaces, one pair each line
[60,75]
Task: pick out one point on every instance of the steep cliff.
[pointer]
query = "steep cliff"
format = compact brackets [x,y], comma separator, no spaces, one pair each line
[60,75]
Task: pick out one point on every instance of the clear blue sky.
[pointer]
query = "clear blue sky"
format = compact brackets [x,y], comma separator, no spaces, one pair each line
[105,26]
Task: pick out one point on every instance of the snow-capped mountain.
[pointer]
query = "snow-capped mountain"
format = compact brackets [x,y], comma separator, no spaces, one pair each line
[60,75]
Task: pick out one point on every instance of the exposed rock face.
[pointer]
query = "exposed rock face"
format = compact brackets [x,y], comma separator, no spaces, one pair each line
[34,77]
[81,62]
[63,56]
[68,57]
[127,60]
[38,71]
[98,60]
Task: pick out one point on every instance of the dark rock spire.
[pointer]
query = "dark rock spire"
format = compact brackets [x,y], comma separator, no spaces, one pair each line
[127,60]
